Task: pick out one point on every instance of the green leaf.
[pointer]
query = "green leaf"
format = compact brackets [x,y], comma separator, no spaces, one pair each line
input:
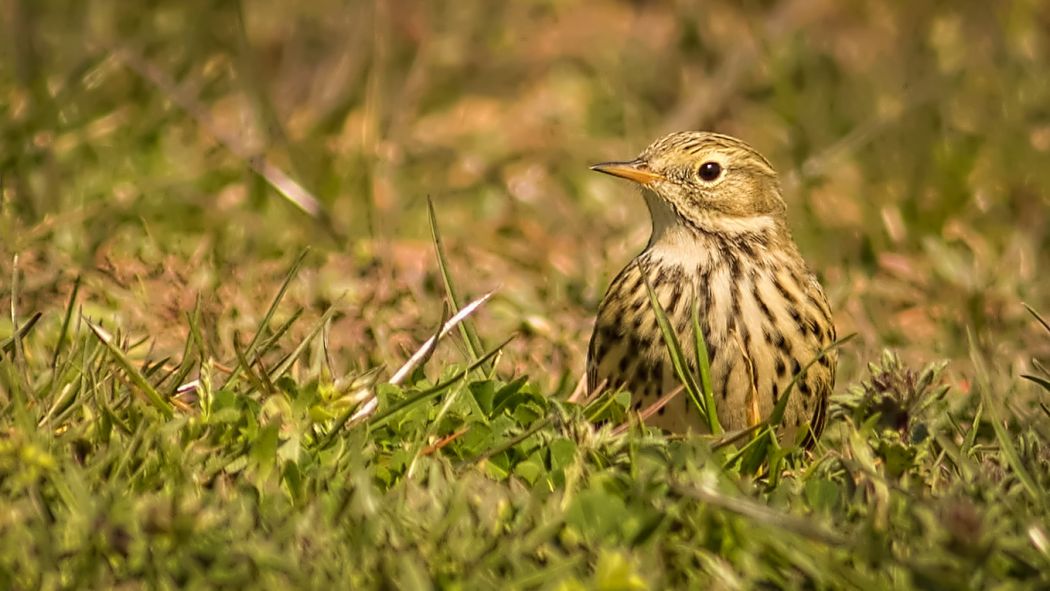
[264,451]
[615,572]
[562,453]
[597,514]
[530,469]
[484,393]
[822,495]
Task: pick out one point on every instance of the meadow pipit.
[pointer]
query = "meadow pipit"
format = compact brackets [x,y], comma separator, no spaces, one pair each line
[720,240]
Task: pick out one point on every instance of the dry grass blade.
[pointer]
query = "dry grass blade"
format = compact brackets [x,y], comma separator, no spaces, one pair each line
[1045,383]
[370,403]
[580,394]
[430,344]
[444,441]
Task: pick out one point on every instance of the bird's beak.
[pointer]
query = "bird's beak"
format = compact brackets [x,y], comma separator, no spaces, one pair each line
[636,170]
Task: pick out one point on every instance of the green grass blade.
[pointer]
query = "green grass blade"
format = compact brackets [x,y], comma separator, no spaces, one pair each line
[504,446]
[273,339]
[703,362]
[466,328]
[187,362]
[762,514]
[63,334]
[287,362]
[971,435]
[1045,383]
[245,366]
[261,330]
[674,349]
[1038,317]
[133,373]
[292,272]
[8,345]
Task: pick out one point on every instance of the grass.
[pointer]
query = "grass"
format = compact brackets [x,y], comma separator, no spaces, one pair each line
[219,276]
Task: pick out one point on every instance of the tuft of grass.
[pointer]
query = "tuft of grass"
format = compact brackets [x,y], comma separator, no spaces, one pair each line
[473,479]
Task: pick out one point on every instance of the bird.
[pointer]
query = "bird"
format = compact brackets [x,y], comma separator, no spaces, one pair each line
[720,242]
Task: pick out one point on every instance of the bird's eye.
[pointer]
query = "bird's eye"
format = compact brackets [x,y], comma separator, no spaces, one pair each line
[709,171]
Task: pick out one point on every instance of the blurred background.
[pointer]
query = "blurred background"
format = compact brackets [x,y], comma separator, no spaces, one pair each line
[912,139]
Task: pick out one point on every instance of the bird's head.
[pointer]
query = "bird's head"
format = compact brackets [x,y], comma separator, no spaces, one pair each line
[712,182]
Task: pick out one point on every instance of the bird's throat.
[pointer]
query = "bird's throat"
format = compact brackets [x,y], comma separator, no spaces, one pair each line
[671,229]
[667,224]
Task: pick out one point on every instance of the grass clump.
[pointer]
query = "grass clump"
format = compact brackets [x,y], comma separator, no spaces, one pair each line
[470,479]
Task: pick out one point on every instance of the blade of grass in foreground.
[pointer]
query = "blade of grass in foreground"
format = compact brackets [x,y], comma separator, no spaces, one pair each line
[8,345]
[470,335]
[188,360]
[292,272]
[63,335]
[674,349]
[254,378]
[133,373]
[369,403]
[285,364]
[1038,317]
[703,363]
